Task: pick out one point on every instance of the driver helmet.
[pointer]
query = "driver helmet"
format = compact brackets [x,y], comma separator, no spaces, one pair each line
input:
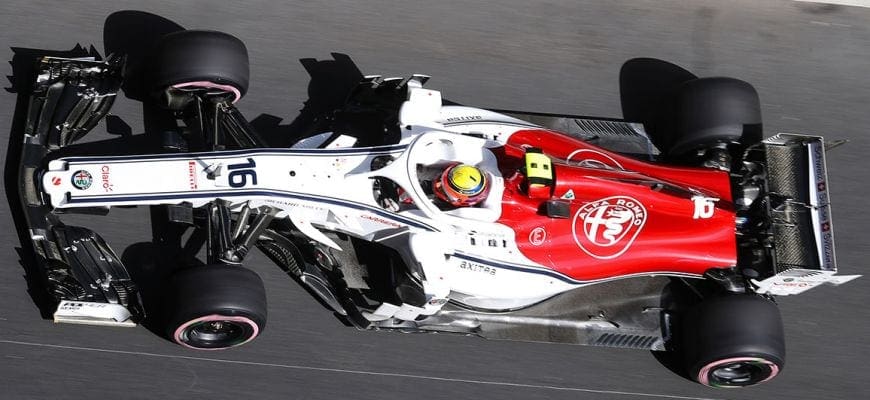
[461,185]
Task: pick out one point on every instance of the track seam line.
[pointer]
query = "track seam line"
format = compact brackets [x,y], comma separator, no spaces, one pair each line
[357,372]
[850,3]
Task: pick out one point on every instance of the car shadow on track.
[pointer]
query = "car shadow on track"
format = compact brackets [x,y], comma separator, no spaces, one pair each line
[332,80]
[135,34]
[647,87]
[676,297]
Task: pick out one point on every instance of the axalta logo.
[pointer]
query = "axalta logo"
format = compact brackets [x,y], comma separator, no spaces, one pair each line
[606,228]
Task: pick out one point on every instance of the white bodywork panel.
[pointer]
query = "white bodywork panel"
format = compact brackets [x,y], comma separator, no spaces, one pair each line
[488,124]
[329,186]
[796,281]
[332,189]
[90,313]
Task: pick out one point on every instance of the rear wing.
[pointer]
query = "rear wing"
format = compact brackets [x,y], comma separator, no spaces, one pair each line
[800,215]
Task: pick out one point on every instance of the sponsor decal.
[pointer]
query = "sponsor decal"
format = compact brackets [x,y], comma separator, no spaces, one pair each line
[606,228]
[818,172]
[593,159]
[104,178]
[704,207]
[569,195]
[465,118]
[827,236]
[437,302]
[339,162]
[475,267]
[56,181]
[82,179]
[78,306]
[191,174]
[282,202]
[818,162]
[380,220]
[828,251]
[791,282]
[537,236]
[824,213]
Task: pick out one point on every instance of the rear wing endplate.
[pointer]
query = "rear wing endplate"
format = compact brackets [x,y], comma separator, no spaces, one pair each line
[800,214]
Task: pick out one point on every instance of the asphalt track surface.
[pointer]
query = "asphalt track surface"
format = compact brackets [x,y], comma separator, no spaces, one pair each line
[809,62]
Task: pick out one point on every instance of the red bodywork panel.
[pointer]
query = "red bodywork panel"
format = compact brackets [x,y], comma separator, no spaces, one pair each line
[626,216]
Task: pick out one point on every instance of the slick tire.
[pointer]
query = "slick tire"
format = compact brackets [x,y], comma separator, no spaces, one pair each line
[215,307]
[733,341]
[710,111]
[200,60]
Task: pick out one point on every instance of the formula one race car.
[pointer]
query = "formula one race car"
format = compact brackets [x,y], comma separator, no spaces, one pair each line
[407,214]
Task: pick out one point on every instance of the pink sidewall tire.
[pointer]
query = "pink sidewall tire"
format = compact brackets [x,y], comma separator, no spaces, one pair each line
[201,59]
[737,370]
[215,307]
[733,341]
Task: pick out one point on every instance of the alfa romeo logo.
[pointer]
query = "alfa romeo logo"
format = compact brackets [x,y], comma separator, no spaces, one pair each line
[82,179]
[606,228]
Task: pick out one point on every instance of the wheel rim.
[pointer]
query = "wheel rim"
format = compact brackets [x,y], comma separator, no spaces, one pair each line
[738,372]
[237,95]
[216,332]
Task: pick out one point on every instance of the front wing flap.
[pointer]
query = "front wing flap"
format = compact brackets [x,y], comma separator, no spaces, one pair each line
[82,273]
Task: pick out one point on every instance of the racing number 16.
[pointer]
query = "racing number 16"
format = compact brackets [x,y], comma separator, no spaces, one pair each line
[239,173]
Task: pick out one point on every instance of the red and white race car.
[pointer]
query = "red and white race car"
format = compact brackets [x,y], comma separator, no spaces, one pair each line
[446,218]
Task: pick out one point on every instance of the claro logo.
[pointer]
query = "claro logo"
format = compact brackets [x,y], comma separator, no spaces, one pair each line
[104,178]
[606,228]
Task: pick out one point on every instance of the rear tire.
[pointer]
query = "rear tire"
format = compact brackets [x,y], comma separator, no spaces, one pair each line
[215,307]
[201,59]
[733,341]
[711,111]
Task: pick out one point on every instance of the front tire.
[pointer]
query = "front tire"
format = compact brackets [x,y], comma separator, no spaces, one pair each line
[209,60]
[215,307]
[733,341]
